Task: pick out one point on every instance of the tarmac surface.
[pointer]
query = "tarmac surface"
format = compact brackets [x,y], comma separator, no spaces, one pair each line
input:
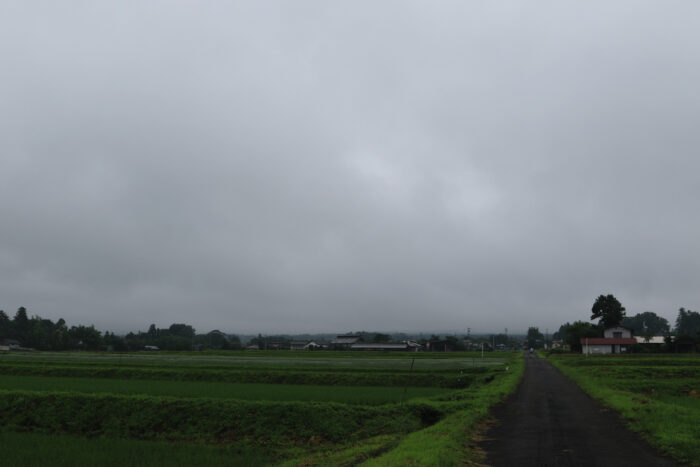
[550,421]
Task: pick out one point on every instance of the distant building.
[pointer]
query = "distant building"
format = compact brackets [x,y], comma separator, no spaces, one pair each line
[344,342]
[651,340]
[560,344]
[405,346]
[313,345]
[278,345]
[615,340]
[10,344]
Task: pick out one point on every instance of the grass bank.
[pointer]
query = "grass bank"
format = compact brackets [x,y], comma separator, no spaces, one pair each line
[658,396]
[449,442]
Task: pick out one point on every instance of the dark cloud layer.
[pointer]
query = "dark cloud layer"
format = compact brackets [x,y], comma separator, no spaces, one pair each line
[306,166]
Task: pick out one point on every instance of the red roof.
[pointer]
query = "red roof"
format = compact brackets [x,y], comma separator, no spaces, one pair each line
[609,340]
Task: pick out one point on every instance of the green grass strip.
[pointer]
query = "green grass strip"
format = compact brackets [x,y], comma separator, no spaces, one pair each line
[452,379]
[369,395]
[665,412]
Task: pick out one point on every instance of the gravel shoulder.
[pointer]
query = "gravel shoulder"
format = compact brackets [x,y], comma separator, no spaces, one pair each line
[550,421]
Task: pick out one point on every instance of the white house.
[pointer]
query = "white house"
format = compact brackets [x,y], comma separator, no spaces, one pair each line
[616,340]
[617,332]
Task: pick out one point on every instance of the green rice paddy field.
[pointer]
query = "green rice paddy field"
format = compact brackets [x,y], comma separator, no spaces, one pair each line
[658,395]
[245,408]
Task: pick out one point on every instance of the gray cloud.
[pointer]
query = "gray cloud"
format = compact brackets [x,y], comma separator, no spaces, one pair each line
[314,167]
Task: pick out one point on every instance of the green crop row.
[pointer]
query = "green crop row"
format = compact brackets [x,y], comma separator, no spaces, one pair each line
[41,450]
[643,360]
[372,395]
[130,364]
[350,360]
[421,431]
[268,376]
[208,421]
[635,371]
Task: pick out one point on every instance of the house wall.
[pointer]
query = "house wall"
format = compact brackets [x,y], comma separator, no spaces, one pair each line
[604,348]
[597,349]
[610,332]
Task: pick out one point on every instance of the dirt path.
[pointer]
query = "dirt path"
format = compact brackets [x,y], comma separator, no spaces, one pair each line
[549,421]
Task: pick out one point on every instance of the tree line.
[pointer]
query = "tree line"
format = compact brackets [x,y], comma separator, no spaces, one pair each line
[609,312]
[43,334]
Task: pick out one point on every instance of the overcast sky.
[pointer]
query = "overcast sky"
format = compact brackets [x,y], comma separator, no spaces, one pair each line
[314,166]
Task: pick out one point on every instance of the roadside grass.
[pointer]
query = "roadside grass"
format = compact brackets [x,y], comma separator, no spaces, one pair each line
[367,395]
[451,440]
[661,402]
[32,449]
[346,455]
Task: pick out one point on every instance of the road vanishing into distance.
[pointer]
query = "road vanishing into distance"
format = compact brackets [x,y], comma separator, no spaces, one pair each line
[550,421]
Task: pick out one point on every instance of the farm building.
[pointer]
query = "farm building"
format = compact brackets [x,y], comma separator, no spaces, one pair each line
[651,342]
[297,345]
[344,342]
[615,340]
[402,346]
[10,344]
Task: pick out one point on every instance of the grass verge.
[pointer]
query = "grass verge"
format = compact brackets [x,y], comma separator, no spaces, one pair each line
[665,411]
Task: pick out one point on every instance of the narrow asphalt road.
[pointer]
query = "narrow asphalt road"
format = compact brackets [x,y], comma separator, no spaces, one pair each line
[549,421]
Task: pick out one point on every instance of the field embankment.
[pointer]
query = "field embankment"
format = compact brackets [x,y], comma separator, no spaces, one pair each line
[657,395]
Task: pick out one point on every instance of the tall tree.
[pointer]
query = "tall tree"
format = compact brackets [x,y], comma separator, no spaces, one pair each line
[646,324]
[5,325]
[182,330]
[608,310]
[381,337]
[687,322]
[573,333]
[86,337]
[20,324]
[535,339]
